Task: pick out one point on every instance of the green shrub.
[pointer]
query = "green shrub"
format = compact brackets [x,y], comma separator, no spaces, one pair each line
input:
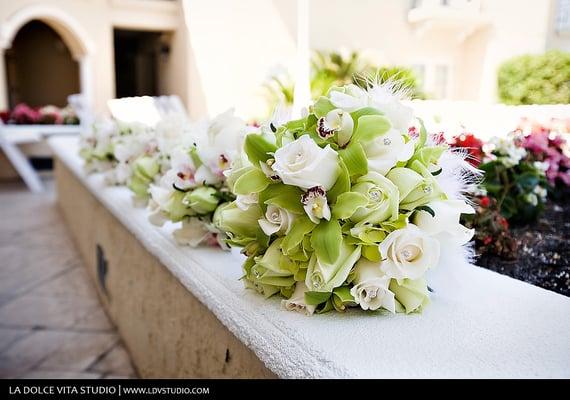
[536,79]
[334,69]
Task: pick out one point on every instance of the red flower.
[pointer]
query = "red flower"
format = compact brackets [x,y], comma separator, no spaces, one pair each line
[487,240]
[484,202]
[472,144]
[503,221]
[5,116]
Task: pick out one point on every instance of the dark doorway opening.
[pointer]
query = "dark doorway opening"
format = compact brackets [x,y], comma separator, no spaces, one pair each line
[40,69]
[137,58]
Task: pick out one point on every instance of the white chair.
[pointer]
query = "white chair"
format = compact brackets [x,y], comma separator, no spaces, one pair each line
[11,136]
[145,109]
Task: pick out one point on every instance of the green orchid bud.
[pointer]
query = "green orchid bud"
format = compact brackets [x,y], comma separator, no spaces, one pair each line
[146,167]
[240,224]
[203,200]
[417,186]
[176,208]
[412,294]
[272,268]
[382,199]
[324,277]
[139,186]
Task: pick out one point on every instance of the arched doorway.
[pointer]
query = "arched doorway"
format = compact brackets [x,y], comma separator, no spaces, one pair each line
[69,30]
[40,68]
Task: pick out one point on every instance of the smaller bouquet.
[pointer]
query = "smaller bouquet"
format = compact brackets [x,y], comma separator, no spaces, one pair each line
[50,115]
[96,146]
[194,185]
[343,208]
[23,114]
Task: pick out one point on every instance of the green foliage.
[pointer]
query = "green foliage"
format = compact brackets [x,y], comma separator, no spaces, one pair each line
[536,79]
[515,189]
[330,69]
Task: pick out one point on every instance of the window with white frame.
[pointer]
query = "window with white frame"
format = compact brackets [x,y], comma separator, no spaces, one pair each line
[434,79]
[563,16]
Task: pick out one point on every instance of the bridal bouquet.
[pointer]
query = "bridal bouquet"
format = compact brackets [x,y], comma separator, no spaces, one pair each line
[344,207]
[194,184]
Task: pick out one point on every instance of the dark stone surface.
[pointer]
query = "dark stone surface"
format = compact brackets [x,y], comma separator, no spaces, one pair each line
[543,249]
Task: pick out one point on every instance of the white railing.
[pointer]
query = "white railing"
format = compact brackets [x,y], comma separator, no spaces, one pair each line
[467,5]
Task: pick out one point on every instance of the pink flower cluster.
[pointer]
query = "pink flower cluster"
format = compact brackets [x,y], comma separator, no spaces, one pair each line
[546,144]
[23,114]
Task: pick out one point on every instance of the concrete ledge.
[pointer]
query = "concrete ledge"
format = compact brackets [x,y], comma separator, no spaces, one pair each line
[168,332]
[181,311]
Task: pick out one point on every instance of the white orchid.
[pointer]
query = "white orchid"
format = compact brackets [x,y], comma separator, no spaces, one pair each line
[315,204]
[445,220]
[386,151]
[336,122]
[192,233]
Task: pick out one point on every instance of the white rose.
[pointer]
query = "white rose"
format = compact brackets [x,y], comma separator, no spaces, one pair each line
[407,253]
[297,301]
[387,150]
[446,220]
[244,201]
[304,164]
[277,220]
[370,288]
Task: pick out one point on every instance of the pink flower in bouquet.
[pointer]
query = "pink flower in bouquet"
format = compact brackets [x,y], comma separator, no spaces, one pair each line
[23,114]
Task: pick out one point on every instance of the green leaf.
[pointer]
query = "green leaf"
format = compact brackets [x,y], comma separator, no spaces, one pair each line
[322,106]
[427,209]
[361,112]
[423,135]
[354,159]
[347,204]
[316,298]
[284,196]
[301,227]
[343,293]
[326,241]
[252,181]
[371,253]
[342,184]
[370,127]
[258,149]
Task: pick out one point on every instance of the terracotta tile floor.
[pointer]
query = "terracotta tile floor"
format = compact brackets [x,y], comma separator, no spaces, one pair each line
[51,323]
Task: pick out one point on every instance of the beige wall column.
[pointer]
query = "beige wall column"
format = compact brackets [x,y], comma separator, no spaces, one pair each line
[3,82]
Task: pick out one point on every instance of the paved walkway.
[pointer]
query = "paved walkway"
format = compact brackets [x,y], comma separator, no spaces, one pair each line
[51,322]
